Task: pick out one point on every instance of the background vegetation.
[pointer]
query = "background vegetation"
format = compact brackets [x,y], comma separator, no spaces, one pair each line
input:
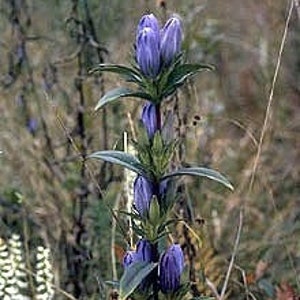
[49,194]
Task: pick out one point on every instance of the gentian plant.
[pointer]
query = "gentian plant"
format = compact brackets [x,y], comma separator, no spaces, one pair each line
[153,268]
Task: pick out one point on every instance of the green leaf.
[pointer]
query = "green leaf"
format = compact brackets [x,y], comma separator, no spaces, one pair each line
[128,73]
[182,291]
[121,158]
[122,92]
[202,172]
[133,276]
[112,283]
[132,215]
[203,298]
[181,73]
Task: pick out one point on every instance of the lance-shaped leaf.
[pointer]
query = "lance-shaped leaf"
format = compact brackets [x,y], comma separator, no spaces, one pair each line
[118,93]
[121,158]
[112,283]
[133,276]
[128,73]
[203,298]
[201,172]
[181,73]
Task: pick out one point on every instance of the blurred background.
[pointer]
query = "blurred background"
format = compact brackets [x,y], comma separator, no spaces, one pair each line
[51,196]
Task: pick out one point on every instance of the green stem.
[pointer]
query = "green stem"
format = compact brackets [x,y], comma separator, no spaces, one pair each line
[155,284]
[158,116]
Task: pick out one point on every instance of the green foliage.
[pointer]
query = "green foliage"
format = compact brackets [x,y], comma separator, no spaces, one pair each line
[152,90]
[133,276]
[121,158]
[118,93]
[180,74]
[201,172]
[155,156]
[129,74]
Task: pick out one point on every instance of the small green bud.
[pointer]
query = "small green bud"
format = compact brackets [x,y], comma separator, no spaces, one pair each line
[154,211]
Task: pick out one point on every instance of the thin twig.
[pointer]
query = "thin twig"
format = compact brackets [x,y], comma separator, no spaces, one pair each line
[212,288]
[234,252]
[268,111]
[270,101]
[113,239]
[244,280]
[57,288]
[127,190]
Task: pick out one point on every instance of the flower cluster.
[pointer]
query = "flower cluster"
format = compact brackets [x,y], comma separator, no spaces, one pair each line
[143,253]
[159,71]
[12,269]
[13,276]
[170,268]
[44,274]
[156,48]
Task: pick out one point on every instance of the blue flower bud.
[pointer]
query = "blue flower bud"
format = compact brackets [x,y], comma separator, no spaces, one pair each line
[143,253]
[163,188]
[171,39]
[148,21]
[149,119]
[129,258]
[32,125]
[143,192]
[170,269]
[148,51]
[144,250]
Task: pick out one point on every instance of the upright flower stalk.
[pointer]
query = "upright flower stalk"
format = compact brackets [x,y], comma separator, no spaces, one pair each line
[155,49]
[151,269]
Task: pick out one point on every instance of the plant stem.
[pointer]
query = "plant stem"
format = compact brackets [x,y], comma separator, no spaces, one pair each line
[155,284]
[158,116]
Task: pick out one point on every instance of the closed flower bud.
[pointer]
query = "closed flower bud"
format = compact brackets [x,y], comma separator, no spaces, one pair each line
[148,21]
[148,51]
[163,188]
[129,258]
[143,192]
[149,119]
[171,39]
[170,269]
[144,250]
[143,253]
[32,125]
[154,211]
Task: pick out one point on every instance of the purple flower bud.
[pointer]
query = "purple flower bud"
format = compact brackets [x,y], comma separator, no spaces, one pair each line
[32,125]
[163,188]
[149,119]
[143,192]
[148,51]
[171,39]
[143,252]
[129,258]
[148,21]
[170,269]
